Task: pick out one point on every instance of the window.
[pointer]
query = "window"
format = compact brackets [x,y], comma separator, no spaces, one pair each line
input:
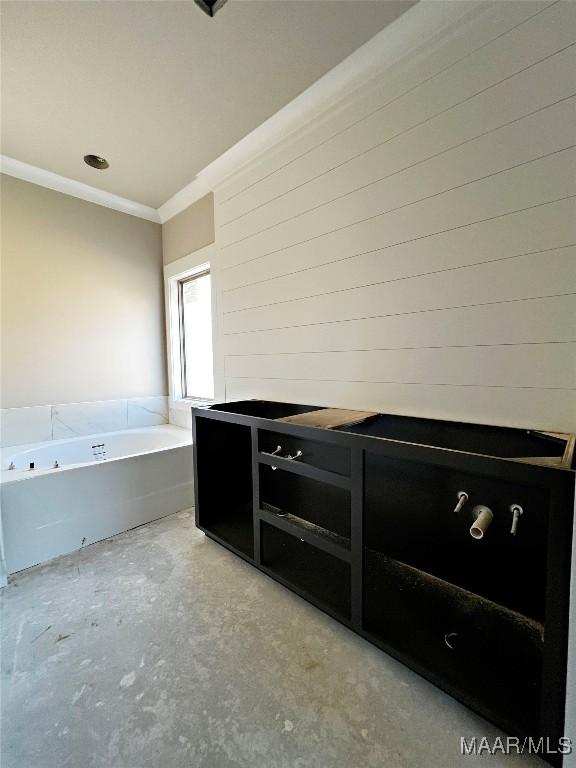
[195,364]
[195,316]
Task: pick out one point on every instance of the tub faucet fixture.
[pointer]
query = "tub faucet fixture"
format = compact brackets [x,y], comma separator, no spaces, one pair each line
[99,451]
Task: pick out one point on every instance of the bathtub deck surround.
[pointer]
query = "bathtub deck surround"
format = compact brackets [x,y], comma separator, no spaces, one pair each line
[133,477]
[32,424]
[36,424]
[182,418]
[36,458]
[147,411]
[148,666]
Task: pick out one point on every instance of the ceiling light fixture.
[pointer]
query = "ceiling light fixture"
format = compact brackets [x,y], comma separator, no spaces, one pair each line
[94,161]
[210,6]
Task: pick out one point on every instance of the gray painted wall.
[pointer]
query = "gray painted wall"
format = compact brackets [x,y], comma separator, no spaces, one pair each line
[189,230]
[82,300]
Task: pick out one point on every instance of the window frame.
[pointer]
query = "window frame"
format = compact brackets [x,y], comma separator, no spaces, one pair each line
[175,273]
[195,275]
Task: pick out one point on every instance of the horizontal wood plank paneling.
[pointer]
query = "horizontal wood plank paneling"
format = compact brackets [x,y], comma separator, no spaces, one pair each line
[530,408]
[536,136]
[531,276]
[415,251]
[435,186]
[522,365]
[537,321]
[418,66]
[532,228]
[467,65]
[510,237]
[541,181]
[491,112]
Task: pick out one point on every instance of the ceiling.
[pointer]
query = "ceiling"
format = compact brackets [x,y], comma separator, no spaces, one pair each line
[157,87]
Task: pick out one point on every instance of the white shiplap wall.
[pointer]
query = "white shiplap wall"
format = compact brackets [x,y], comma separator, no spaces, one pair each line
[414,251]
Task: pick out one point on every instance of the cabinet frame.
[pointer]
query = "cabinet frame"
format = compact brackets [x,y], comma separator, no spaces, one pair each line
[558,481]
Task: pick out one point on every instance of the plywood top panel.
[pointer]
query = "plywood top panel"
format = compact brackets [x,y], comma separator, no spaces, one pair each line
[329,418]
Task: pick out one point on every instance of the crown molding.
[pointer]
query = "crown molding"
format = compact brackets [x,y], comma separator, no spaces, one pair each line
[419,26]
[35,175]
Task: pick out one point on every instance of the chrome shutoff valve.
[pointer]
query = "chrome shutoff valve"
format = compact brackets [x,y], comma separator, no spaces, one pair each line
[517,512]
[462,499]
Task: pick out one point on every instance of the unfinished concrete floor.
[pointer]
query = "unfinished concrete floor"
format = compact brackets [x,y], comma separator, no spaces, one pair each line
[160,649]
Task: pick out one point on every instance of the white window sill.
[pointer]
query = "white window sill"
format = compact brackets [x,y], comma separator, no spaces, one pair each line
[185,404]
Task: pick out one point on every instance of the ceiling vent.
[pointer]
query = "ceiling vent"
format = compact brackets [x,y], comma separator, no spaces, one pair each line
[94,161]
[210,6]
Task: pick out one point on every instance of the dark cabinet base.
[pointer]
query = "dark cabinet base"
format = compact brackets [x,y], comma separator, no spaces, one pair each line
[315,573]
[485,654]
[362,523]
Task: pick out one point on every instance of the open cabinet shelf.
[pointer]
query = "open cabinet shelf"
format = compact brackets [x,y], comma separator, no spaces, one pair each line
[472,643]
[224,498]
[311,571]
[316,535]
[236,529]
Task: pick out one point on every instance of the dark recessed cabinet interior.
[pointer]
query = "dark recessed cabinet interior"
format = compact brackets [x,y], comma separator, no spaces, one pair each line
[224,506]
[408,516]
[264,409]
[446,544]
[473,438]
[323,578]
[487,655]
[327,507]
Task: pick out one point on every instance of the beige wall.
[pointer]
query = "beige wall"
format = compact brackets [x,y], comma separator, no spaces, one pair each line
[82,302]
[414,252]
[189,230]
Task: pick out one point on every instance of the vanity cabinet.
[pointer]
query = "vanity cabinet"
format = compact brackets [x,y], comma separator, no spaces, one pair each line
[447,545]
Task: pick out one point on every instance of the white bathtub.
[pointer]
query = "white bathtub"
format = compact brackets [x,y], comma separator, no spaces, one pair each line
[139,475]
[86,450]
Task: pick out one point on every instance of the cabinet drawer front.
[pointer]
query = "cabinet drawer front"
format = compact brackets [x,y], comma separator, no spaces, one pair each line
[486,655]
[315,453]
[409,516]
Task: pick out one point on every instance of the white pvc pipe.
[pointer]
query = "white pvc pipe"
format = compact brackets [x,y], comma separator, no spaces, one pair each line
[484,517]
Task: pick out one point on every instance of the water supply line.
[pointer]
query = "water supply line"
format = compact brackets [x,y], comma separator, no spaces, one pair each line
[483,516]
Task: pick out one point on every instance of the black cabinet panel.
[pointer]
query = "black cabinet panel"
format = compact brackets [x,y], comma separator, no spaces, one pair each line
[409,516]
[473,438]
[324,578]
[362,523]
[224,482]
[333,458]
[319,503]
[487,655]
